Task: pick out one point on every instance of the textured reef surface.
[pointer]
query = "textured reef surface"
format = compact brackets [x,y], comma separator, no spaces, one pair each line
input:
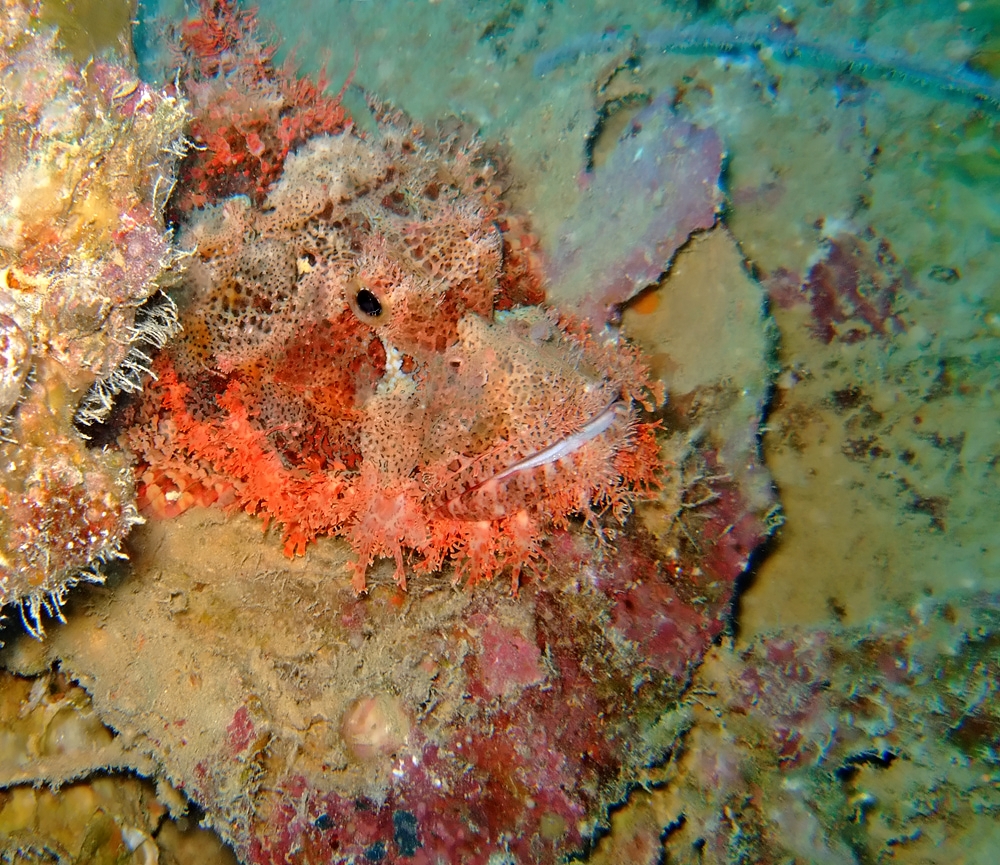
[87,160]
[459,480]
[365,355]
[836,745]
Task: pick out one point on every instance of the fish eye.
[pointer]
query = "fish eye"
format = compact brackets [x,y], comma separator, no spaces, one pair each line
[368,303]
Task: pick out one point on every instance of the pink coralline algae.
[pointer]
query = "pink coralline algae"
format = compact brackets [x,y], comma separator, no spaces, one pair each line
[558,714]
[509,662]
[660,184]
[851,290]
[87,155]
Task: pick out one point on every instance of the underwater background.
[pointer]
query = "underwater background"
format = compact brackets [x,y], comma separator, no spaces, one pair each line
[789,652]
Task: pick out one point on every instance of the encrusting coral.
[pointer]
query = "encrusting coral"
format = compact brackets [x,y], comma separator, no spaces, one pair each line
[88,155]
[344,368]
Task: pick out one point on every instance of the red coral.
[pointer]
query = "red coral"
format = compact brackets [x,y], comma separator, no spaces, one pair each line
[249,115]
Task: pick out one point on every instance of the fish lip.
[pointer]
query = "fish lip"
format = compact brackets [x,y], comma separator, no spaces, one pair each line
[597,425]
[567,445]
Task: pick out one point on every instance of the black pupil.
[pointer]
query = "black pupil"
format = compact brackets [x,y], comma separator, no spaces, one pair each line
[368,303]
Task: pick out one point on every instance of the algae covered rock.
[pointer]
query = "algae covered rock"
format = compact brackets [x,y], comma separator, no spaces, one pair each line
[87,158]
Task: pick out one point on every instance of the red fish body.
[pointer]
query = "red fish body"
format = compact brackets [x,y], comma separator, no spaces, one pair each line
[344,370]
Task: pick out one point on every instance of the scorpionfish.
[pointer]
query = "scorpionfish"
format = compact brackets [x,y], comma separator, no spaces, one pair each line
[365,355]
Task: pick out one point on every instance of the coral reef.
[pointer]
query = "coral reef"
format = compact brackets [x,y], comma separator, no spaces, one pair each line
[416,726]
[343,370]
[847,744]
[88,154]
[882,435]
[365,356]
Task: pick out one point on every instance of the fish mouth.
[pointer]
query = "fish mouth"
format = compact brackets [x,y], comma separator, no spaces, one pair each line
[598,424]
[564,447]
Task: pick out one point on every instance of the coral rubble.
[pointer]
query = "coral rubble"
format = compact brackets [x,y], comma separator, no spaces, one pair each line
[88,155]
